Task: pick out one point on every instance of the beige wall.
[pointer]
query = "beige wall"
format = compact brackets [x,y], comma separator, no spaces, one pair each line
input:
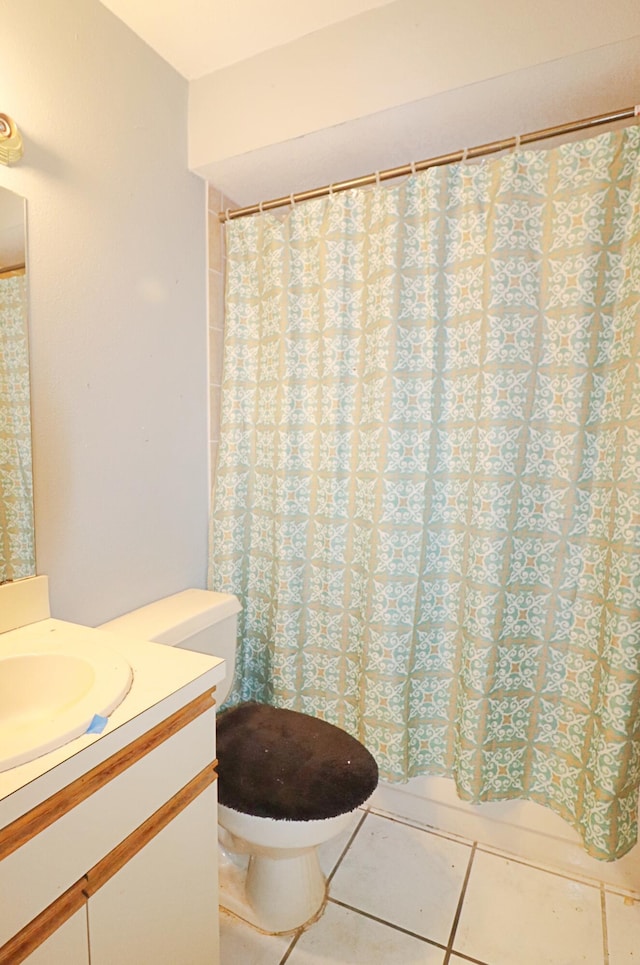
[117,277]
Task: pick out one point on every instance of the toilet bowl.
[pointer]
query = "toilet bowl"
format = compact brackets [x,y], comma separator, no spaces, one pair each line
[287,782]
[282,886]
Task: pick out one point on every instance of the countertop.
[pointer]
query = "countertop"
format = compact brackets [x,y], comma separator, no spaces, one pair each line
[164,679]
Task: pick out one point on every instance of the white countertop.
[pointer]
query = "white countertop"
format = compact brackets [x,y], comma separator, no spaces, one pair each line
[164,679]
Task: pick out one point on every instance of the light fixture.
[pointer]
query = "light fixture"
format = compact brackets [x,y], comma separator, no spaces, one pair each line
[11,149]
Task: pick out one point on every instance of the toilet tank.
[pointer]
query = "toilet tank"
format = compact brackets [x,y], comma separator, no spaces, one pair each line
[198,620]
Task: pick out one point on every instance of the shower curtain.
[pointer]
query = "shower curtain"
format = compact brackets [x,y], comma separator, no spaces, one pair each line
[427,496]
[17,557]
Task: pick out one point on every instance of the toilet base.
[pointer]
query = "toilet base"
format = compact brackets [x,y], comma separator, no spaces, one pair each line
[270,870]
[275,895]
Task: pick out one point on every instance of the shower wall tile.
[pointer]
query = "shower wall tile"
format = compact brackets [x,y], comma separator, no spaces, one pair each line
[216,393]
[216,242]
[214,198]
[216,300]
[216,336]
[213,451]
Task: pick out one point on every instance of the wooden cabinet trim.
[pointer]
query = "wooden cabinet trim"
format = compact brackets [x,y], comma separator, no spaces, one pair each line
[16,834]
[44,925]
[18,948]
[136,841]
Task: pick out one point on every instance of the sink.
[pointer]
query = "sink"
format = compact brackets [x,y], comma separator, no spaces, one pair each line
[49,695]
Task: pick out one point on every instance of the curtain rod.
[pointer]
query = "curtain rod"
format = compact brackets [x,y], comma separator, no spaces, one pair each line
[492,147]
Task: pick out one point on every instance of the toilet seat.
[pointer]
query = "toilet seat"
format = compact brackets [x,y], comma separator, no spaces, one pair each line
[281,764]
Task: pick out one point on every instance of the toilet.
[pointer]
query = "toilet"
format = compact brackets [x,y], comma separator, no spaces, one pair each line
[287,782]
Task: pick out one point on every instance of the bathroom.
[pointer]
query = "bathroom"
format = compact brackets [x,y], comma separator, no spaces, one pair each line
[123,365]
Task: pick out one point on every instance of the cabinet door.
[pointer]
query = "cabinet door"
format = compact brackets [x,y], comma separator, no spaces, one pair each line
[69,944]
[162,906]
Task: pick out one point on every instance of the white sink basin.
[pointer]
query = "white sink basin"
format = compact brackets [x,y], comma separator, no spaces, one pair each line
[49,695]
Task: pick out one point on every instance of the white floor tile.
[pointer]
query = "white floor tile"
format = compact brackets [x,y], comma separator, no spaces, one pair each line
[513,913]
[330,852]
[403,875]
[344,936]
[623,929]
[242,945]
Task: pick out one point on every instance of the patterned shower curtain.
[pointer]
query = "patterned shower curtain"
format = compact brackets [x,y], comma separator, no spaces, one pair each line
[428,486]
[17,553]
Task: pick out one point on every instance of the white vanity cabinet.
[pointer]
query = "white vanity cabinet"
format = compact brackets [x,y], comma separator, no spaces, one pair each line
[120,865]
[68,945]
[162,917]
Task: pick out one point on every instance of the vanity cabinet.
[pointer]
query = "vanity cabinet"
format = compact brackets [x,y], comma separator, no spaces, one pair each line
[121,865]
[173,917]
[68,945]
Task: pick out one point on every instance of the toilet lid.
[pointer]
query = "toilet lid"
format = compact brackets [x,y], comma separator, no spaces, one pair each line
[281,764]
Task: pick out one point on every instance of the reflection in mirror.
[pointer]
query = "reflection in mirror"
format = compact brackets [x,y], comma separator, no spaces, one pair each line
[17,544]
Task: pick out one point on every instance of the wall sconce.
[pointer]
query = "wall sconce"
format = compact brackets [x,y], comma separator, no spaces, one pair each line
[11,149]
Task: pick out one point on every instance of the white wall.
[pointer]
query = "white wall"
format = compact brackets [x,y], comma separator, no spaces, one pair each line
[117,281]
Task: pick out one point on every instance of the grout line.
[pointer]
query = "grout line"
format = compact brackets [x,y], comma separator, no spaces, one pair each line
[605,931]
[584,880]
[389,924]
[293,944]
[427,828]
[620,891]
[346,848]
[456,918]
[470,958]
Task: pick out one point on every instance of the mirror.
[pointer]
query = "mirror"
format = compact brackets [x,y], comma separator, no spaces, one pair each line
[17,543]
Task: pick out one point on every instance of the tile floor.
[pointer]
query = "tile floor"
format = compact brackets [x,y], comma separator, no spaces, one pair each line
[402,894]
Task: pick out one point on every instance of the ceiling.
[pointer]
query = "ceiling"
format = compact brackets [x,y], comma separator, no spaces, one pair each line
[198,37]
